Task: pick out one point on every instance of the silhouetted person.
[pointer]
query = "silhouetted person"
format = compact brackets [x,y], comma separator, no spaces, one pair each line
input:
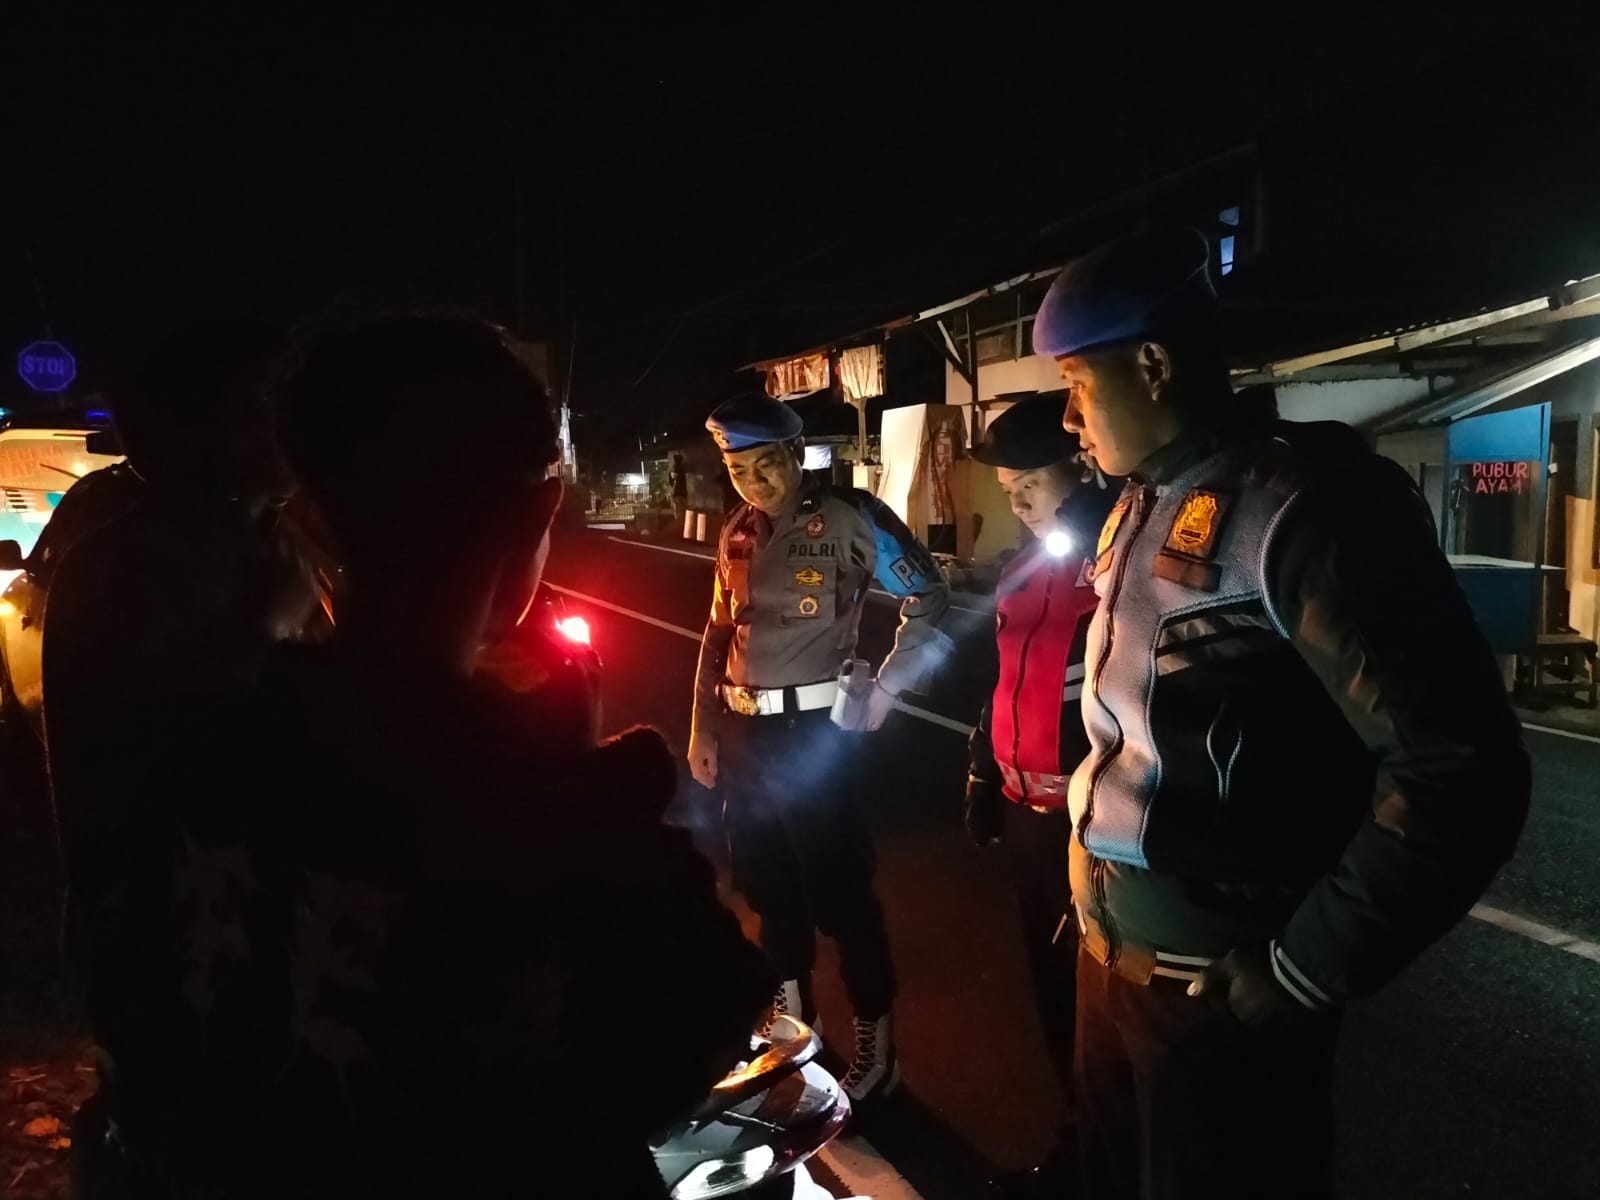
[506,971]
[679,479]
[152,612]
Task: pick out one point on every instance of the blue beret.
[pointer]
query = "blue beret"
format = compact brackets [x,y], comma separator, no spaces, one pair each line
[1124,291]
[753,421]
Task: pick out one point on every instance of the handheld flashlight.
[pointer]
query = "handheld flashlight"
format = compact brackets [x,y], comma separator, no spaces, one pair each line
[1057,543]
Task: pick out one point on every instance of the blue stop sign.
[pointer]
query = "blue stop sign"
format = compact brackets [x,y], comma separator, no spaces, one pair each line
[47,367]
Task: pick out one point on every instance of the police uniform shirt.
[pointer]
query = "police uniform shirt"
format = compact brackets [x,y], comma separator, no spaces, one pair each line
[790,590]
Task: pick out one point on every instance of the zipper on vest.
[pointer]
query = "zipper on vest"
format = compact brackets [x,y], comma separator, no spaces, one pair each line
[1022,679]
[1142,508]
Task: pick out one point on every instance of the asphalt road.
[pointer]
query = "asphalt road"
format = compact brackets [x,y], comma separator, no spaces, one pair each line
[1476,1074]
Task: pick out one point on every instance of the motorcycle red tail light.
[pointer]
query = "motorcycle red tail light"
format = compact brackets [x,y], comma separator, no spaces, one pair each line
[574,629]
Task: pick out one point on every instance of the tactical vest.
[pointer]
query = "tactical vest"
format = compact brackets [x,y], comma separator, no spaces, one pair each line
[1215,752]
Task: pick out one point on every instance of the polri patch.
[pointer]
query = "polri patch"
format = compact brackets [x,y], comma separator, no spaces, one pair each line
[809,606]
[816,527]
[1199,521]
[809,577]
[812,550]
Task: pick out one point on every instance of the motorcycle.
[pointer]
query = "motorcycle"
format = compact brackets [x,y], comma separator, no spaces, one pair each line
[752,1136]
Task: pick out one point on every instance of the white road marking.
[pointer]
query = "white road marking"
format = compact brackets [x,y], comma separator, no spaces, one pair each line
[664,549]
[694,635]
[864,1171]
[1566,733]
[1547,935]
[933,718]
[1544,934]
[874,593]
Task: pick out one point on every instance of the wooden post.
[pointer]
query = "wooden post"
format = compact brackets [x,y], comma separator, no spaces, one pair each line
[972,360]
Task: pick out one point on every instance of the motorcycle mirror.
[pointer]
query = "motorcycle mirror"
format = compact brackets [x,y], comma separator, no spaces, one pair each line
[11,555]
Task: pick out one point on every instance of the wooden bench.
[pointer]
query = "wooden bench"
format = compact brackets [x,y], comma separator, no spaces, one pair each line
[1577,653]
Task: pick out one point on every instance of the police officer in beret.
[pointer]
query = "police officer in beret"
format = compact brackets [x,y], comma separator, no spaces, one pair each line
[1030,737]
[1303,768]
[794,562]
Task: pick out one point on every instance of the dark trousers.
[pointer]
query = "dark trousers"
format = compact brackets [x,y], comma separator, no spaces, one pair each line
[802,855]
[1178,1100]
[1035,846]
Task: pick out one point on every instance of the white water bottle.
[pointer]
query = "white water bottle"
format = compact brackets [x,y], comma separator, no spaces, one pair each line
[855,685]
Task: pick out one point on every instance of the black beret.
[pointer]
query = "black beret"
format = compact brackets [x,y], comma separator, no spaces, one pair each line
[1028,435]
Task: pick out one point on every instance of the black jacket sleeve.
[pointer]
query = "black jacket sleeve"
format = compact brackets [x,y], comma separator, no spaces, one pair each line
[1357,581]
[980,748]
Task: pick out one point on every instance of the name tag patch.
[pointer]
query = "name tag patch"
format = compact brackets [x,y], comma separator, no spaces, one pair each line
[1207,577]
[812,550]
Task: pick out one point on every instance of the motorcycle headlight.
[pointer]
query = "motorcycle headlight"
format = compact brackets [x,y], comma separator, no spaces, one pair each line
[724,1176]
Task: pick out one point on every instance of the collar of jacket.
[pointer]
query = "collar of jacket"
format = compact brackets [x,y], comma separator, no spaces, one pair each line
[811,490]
[1200,439]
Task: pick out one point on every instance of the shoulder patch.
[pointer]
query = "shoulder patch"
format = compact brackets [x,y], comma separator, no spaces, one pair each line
[1198,525]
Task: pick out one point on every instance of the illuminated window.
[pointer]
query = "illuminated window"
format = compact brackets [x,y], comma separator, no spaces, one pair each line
[1228,218]
[818,458]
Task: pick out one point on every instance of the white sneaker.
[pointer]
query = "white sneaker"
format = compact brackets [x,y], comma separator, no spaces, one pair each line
[789,1001]
[875,1068]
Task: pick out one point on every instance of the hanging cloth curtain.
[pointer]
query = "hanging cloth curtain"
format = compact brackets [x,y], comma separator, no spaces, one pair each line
[861,372]
[797,376]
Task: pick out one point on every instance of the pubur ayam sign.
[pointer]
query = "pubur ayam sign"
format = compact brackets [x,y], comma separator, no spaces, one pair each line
[1500,478]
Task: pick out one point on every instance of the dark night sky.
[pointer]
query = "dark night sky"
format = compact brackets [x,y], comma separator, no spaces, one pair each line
[692,192]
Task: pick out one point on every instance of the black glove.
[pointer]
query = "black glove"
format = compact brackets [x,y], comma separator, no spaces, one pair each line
[984,812]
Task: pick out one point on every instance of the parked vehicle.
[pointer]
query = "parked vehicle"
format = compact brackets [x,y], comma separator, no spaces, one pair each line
[38,466]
